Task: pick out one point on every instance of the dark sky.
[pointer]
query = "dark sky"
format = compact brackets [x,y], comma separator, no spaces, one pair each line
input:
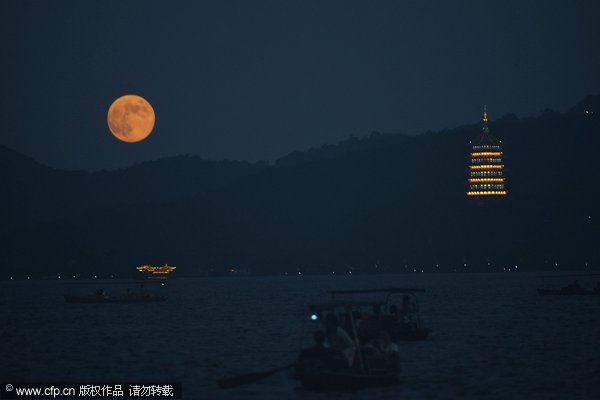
[257,79]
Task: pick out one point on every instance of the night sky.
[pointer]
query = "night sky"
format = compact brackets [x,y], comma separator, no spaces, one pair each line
[255,80]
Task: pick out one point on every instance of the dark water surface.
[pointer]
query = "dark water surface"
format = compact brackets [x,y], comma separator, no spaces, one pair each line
[493,336]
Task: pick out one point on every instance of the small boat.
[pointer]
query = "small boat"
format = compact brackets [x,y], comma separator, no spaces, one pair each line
[321,369]
[113,299]
[129,296]
[566,292]
[573,289]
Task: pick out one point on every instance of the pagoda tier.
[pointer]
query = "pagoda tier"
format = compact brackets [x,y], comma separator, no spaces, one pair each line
[486,169]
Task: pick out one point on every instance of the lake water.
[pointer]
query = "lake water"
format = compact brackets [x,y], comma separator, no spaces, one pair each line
[493,336]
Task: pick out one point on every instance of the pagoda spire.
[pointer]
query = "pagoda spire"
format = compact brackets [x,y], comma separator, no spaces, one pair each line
[485,120]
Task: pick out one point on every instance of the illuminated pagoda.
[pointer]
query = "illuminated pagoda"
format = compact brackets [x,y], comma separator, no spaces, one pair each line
[486,170]
[152,272]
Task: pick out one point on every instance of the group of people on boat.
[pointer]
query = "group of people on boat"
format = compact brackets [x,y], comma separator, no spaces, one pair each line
[335,350]
[402,317]
[353,340]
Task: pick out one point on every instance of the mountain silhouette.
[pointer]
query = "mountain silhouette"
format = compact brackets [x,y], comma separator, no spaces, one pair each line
[383,203]
[33,192]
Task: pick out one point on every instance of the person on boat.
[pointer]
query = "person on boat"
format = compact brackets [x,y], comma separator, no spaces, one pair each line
[320,357]
[383,353]
[319,348]
[338,338]
[390,321]
[143,293]
[386,345]
[390,351]
[574,286]
[101,293]
[356,316]
[407,311]
[370,329]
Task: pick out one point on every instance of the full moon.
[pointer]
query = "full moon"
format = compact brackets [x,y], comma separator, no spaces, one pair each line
[131,118]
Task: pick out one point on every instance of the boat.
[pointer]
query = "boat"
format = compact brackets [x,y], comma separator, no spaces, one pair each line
[156,272]
[139,294]
[410,327]
[567,292]
[573,289]
[326,370]
[113,299]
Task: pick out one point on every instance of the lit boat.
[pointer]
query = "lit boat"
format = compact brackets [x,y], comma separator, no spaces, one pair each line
[153,272]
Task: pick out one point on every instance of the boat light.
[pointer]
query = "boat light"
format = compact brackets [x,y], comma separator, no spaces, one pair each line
[314,317]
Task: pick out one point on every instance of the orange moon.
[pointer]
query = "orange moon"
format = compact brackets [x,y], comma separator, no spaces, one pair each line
[131,118]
